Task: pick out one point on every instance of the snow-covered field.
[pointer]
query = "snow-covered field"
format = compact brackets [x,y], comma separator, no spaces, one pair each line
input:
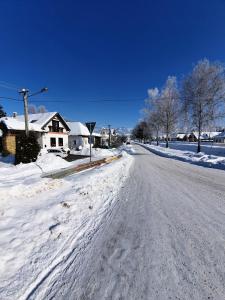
[208,148]
[43,220]
[201,158]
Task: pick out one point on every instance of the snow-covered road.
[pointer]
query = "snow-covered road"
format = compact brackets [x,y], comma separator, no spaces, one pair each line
[165,238]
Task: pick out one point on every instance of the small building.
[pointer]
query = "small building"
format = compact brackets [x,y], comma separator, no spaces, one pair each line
[182,137]
[192,137]
[78,136]
[50,129]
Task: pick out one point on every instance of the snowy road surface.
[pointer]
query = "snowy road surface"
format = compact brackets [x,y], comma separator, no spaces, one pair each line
[165,238]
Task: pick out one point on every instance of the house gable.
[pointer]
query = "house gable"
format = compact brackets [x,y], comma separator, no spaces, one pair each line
[56,117]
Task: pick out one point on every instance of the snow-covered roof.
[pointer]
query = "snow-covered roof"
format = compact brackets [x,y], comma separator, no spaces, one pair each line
[77,128]
[14,124]
[96,134]
[220,135]
[40,119]
[205,134]
[181,135]
[211,134]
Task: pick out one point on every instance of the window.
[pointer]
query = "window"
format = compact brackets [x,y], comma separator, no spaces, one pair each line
[53,142]
[60,141]
[55,126]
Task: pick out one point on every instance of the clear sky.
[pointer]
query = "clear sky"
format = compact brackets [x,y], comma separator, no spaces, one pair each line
[99,49]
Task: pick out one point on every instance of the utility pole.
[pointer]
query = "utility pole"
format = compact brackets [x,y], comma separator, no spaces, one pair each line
[24,93]
[109,135]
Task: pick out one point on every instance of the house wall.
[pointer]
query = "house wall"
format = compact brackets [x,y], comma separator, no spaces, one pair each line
[75,141]
[45,140]
[9,143]
[219,139]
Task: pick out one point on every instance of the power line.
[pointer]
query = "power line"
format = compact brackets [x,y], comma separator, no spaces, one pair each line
[9,98]
[8,85]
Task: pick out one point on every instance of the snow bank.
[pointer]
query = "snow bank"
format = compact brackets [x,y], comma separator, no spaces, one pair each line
[200,158]
[44,220]
[49,162]
[99,152]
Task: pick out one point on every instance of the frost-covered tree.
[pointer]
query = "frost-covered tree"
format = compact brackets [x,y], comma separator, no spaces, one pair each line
[154,124]
[32,109]
[203,94]
[169,107]
[42,109]
[152,113]
[163,107]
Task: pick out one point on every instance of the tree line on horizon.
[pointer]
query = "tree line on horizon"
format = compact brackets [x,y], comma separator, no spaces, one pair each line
[195,104]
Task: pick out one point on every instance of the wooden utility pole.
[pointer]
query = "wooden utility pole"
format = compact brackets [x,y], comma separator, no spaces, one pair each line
[24,93]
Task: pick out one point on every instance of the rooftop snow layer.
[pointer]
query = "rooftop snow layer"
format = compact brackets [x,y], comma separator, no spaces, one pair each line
[77,128]
[14,124]
[40,119]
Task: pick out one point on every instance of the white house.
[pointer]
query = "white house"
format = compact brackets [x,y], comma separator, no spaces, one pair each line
[55,127]
[78,136]
[104,132]
[50,129]
[219,138]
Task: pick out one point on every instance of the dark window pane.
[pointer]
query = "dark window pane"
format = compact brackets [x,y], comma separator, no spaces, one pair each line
[53,142]
[55,126]
[60,141]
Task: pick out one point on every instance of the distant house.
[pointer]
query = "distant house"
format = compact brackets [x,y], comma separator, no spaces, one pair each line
[182,137]
[219,138]
[206,136]
[192,136]
[50,129]
[105,135]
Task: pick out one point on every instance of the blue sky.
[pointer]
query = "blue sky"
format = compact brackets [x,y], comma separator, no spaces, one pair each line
[96,50]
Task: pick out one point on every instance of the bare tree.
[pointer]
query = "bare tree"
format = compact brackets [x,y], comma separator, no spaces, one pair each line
[169,107]
[32,109]
[154,124]
[203,95]
[152,112]
[42,109]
